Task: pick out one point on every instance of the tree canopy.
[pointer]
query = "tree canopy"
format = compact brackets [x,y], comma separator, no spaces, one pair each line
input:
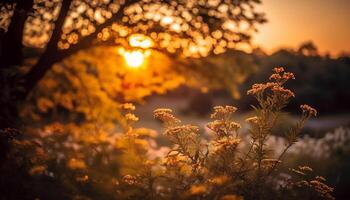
[185,28]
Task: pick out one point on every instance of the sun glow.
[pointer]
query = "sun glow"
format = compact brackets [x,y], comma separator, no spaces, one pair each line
[141,41]
[140,49]
[134,59]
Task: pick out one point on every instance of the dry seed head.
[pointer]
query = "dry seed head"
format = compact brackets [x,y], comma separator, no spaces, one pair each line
[288,75]
[285,93]
[278,69]
[221,112]
[188,129]
[165,115]
[305,168]
[308,110]
[252,120]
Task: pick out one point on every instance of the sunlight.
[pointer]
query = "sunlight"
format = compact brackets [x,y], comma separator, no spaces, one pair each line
[134,59]
[140,44]
[140,40]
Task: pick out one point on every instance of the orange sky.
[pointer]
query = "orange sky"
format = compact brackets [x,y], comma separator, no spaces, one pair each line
[325,22]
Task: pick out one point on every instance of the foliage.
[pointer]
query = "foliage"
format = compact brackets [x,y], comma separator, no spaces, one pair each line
[64,27]
[220,24]
[98,163]
[84,90]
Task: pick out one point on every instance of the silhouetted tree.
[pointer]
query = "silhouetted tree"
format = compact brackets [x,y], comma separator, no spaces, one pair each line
[63,27]
[308,49]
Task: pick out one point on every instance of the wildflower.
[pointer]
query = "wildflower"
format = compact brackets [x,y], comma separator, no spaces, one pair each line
[131,117]
[278,69]
[285,93]
[252,120]
[128,106]
[222,127]
[308,110]
[288,75]
[187,129]
[282,78]
[298,172]
[166,116]
[223,144]
[234,126]
[321,187]
[305,168]
[217,126]
[275,77]
[221,112]
[129,179]
[257,88]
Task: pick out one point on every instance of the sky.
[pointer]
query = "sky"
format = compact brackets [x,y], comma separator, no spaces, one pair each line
[291,22]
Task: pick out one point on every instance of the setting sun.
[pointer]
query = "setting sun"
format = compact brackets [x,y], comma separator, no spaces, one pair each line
[134,59]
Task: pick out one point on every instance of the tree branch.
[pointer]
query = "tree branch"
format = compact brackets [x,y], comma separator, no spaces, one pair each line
[53,55]
[86,41]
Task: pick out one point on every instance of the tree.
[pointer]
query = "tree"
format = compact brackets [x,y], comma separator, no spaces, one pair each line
[308,49]
[61,28]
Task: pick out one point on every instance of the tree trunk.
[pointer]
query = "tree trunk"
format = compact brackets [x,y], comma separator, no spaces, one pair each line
[11,45]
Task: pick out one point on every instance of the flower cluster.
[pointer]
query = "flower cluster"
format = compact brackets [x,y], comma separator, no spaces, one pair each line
[317,185]
[280,78]
[308,110]
[259,88]
[166,116]
[284,93]
[221,112]
[222,128]
[225,144]
[186,130]
[223,125]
